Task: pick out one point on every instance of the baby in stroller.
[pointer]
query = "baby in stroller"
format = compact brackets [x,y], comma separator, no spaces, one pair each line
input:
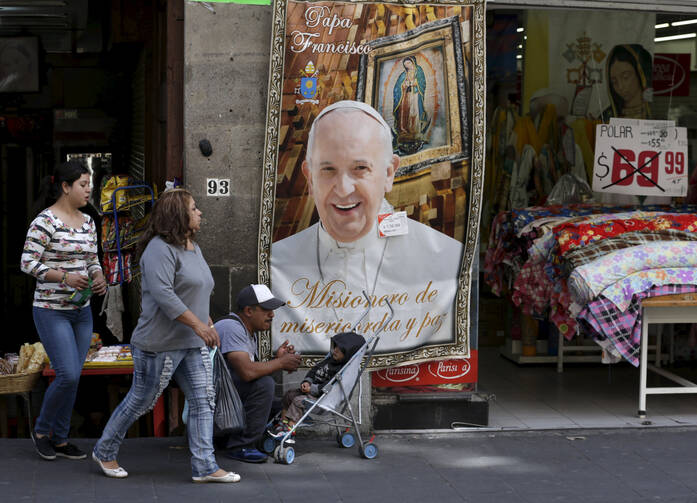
[343,346]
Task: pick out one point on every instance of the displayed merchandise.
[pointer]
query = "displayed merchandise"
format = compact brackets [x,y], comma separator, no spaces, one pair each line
[110,356]
[586,268]
[109,185]
[619,331]
[96,341]
[122,227]
[31,359]
[127,237]
[19,373]
[112,273]
[113,306]
[570,189]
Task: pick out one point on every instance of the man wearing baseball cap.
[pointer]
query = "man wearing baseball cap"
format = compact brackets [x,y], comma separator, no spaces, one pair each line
[253,380]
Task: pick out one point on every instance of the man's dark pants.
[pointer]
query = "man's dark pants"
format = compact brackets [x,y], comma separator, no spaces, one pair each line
[259,404]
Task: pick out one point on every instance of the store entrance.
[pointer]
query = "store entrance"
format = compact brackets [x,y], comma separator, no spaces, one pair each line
[559,327]
[84,80]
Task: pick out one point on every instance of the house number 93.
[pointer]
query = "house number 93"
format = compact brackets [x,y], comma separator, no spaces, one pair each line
[217,187]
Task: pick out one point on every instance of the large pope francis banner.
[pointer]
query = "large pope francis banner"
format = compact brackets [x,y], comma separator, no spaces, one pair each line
[372,175]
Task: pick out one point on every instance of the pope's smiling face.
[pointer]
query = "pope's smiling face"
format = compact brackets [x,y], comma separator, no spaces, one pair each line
[348,172]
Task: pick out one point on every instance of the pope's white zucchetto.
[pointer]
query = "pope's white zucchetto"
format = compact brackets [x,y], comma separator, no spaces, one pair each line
[355,105]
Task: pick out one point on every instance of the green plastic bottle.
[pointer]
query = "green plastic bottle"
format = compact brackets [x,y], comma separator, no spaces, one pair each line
[80,297]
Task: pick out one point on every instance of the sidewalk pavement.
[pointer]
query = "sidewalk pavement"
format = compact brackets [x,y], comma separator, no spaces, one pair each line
[628,465]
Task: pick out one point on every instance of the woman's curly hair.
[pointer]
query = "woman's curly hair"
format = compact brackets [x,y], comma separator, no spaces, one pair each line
[169,220]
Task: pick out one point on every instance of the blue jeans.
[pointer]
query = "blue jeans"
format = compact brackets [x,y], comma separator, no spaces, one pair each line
[192,370]
[66,336]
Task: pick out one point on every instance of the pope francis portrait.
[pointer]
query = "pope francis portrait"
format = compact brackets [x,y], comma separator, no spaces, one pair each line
[321,271]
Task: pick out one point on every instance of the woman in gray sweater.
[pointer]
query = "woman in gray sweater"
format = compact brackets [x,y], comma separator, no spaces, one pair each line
[172,337]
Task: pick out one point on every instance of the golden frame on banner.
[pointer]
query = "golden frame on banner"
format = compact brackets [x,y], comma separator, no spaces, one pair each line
[442,36]
[451,168]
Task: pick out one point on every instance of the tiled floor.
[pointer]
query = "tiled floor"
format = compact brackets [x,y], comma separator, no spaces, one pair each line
[583,396]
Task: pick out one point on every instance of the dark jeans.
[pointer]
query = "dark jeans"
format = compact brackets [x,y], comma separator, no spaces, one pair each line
[259,405]
[66,335]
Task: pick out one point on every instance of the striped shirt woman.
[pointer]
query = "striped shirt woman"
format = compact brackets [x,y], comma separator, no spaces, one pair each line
[61,253]
[51,244]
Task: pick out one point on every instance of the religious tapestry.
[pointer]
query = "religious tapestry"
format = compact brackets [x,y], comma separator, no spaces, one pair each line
[373,169]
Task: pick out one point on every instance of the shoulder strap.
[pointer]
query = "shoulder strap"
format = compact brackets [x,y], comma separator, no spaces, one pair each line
[231,316]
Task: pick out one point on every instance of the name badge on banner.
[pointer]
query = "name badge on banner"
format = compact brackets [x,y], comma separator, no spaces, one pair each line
[393,224]
[640,157]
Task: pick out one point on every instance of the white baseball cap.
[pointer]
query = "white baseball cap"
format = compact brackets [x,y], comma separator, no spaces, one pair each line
[258,295]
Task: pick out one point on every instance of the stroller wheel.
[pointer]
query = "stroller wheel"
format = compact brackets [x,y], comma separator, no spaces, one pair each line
[284,455]
[369,451]
[346,439]
[268,444]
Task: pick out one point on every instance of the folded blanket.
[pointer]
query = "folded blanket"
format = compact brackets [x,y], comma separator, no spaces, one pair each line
[575,235]
[589,280]
[548,245]
[605,321]
[580,256]
[621,293]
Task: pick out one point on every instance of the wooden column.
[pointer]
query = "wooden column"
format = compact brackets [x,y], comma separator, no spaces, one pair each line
[175,89]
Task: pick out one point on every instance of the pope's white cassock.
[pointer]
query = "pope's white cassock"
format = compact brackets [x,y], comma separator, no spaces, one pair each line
[322,279]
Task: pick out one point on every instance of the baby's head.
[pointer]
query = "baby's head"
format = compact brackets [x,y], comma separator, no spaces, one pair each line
[337,353]
[345,345]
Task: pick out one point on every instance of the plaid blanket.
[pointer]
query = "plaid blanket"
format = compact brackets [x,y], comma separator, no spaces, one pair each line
[605,321]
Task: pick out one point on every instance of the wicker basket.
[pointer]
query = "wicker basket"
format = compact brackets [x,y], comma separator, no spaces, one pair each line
[18,383]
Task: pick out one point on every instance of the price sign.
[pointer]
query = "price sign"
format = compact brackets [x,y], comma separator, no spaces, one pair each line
[392,224]
[217,187]
[645,158]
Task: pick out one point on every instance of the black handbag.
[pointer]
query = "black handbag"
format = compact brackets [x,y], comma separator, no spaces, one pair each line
[229,417]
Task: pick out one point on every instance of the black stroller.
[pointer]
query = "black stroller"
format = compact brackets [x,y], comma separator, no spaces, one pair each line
[336,400]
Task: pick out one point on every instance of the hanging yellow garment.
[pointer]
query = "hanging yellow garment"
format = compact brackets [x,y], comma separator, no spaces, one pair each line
[496,179]
[528,134]
[501,129]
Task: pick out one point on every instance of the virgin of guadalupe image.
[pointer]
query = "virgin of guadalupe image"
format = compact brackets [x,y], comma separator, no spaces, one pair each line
[629,79]
[410,118]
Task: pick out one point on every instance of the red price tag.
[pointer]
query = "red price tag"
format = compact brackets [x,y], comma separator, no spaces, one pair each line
[640,160]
